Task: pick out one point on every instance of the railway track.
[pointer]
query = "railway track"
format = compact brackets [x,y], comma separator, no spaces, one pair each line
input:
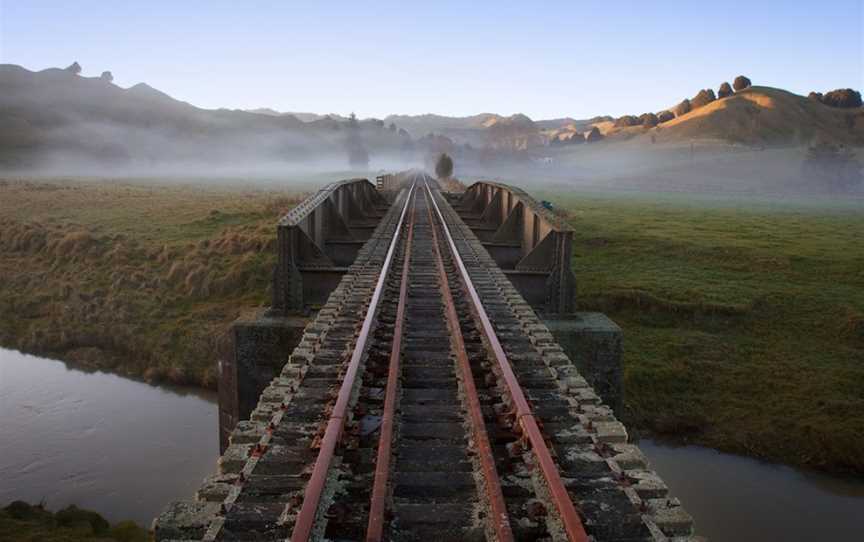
[427,410]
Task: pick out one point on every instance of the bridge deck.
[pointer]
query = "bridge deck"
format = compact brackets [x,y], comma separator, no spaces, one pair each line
[427,400]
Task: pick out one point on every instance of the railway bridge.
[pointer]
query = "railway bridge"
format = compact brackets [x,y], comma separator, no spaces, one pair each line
[422,375]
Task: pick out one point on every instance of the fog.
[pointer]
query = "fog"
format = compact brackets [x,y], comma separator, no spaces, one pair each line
[698,168]
[55,123]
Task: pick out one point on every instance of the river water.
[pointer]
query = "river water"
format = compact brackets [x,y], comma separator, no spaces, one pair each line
[125,449]
[119,447]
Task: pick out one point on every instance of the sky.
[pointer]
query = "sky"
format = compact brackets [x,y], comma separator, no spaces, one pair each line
[544,59]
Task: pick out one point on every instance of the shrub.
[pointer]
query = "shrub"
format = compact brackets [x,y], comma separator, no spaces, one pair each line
[444,166]
[593,135]
[703,98]
[665,116]
[649,119]
[815,96]
[683,108]
[725,90]
[741,82]
[627,120]
[842,97]
[73,516]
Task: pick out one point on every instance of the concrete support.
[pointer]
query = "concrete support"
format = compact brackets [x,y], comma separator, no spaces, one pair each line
[594,343]
[258,348]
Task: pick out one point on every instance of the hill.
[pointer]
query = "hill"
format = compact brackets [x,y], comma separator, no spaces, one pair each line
[55,119]
[760,115]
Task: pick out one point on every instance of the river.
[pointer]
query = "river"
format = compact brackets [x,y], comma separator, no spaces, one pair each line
[117,446]
[125,449]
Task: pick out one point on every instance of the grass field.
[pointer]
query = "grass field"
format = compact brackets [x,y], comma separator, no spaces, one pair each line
[138,277]
[743,321]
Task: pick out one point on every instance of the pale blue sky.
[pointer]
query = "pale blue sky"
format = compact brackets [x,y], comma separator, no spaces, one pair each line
[545,59]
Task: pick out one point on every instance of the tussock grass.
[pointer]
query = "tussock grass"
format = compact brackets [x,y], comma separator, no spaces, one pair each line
[138,278]
[742,320]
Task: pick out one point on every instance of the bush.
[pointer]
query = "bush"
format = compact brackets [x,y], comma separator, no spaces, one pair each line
[683,108]
[593,135]
[725,91]
[703,98]
[741,82]
[74,516]
[842,97]
[444,166]
[815,96]
[649,120]
[665,116]
[627,120]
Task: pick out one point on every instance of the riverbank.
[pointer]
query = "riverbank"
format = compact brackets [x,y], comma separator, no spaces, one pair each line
[23,522]
[141,278]
[743,319]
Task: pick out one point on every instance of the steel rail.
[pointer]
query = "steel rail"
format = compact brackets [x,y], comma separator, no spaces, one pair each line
[375,527]
[494,494]
[333,433]
[567,512]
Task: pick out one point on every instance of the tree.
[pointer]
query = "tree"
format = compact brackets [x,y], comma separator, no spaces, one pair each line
[358,156]
[593,135]
[392,127]
[725,90]
[815,96]
[665,116]
[649,120]
[627,120]
[74,68]
[741,82]
[703,98]
[683,108]
[107,76]
[444,166]
[842,97]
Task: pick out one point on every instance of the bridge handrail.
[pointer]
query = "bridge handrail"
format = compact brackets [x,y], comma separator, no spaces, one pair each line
[302,210]
[558,223]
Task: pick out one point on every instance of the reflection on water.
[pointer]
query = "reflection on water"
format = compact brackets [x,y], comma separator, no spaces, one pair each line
[745,500]
[120,447]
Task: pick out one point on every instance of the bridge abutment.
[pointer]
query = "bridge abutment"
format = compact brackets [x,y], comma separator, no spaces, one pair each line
[594,344]
[258,348]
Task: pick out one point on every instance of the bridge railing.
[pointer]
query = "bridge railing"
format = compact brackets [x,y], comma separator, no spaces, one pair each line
[319,238]
[530,243]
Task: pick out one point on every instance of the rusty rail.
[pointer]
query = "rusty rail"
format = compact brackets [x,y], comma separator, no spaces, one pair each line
[501,521]
[525,418]
[333,433]
[375,529]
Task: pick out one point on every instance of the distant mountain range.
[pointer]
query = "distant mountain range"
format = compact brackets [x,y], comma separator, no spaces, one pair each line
[305,117]
[56,117]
